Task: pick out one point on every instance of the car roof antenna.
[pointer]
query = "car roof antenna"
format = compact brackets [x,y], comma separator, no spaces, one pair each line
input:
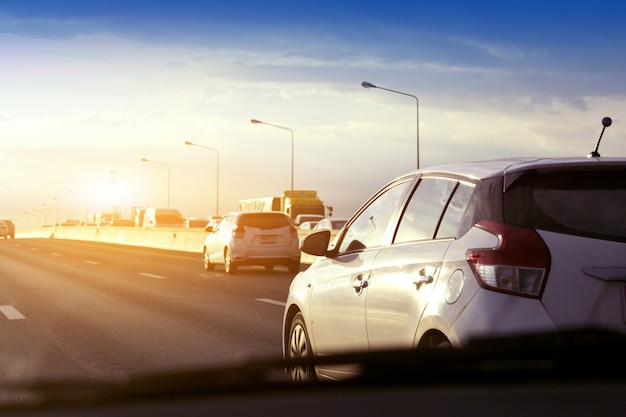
[606,122]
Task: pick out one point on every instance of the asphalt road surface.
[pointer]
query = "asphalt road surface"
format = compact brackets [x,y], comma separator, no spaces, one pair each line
[72,309]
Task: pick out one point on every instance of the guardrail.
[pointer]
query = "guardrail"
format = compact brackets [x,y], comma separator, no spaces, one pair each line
[177,239]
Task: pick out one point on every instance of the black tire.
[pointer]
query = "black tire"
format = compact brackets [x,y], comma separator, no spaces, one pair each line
[229,265]
[299,348]
[208,266]
[294,267]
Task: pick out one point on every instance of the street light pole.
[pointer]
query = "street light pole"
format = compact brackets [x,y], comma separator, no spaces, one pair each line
[255,121]
[168,177]
[132,180]
[217,174]
[57,212]
[69,206]
[366,84]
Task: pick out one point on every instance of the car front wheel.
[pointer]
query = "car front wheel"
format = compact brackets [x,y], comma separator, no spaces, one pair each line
[208,266]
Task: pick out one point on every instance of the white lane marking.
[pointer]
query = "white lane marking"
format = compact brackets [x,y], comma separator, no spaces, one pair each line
[57,254]
[145,274]
[270,301]
[11,313]
[92,262]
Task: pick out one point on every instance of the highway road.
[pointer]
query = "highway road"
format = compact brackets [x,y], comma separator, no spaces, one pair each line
[75,309]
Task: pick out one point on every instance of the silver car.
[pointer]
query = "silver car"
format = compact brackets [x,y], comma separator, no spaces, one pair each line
[252,238]
[445,254]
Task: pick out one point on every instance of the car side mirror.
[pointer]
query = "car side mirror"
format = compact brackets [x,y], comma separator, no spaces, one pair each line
[209,229]
[316,244]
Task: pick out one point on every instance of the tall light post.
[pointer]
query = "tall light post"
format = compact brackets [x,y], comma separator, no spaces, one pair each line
[168,177]
[86,202]
[56,209]
[217,174]
[132,180]
[366,84]
[45,216]
[31,214]
[255,121]
[69,206]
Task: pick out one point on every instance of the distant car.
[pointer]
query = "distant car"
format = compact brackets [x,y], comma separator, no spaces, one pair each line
[301,218]
[70,222]
[162,217]
[307,225]
[330,224]
[196,223]
[4,230]
[11,226]
[122,223]
[442,255]
[252,238]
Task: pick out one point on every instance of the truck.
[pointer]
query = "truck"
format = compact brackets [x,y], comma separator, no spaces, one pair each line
[291,202]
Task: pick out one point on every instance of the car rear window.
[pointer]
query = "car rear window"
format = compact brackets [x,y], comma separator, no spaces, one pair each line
[584,203]
[264,221]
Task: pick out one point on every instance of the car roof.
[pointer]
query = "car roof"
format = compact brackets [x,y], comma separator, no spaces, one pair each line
[494,167]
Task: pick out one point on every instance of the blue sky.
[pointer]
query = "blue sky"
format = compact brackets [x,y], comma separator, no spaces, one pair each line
[90,88]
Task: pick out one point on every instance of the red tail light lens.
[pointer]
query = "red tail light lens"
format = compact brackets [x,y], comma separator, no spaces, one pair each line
[518,265]
[294,232]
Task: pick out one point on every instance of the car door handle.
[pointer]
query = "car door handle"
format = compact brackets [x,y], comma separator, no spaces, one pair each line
[424,276]
[360,283]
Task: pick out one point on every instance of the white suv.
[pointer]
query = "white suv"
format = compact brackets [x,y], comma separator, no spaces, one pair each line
[252,238]
[445,254]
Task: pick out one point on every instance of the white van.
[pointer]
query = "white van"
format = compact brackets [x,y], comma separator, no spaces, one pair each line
[162,217]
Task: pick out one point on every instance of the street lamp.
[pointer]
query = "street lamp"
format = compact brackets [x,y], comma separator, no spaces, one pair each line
[86,202]
[133,185]
[365,84]
[56,209]
[168,177]
[255,121]
[217,174]
[69,207]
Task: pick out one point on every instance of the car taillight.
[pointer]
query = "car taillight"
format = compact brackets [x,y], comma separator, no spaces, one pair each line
[294,232]
[517,265]
[238,232]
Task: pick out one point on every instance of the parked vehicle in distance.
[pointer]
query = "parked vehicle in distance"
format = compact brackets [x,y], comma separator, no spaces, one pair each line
[122,223]
[70,222]
[196,223]
[243,238]
[162,217]
[4,230]
[448,253]
[307,225]
[11,227]
[301,218]
[330,224]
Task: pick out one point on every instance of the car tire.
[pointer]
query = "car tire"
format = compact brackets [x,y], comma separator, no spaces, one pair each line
[299,348]
[208,266]
[294,267]
[229,265]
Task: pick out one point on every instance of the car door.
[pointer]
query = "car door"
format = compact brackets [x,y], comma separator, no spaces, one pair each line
[217,239]
[404,274]
[337,307]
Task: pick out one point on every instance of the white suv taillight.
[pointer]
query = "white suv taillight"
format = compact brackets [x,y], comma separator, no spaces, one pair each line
[517,265]
[238,232]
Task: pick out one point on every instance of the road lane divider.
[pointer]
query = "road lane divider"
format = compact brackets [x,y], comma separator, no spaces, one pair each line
[145,274]
[270,301]
[11,313]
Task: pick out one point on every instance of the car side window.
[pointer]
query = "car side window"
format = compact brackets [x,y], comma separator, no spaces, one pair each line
[421,217]
[451,221]
[369,228]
